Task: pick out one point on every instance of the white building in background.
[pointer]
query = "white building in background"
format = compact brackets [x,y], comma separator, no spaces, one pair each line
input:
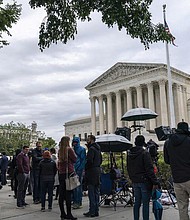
[130,85]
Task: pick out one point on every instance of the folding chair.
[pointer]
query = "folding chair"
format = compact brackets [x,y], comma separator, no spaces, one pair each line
[107,191]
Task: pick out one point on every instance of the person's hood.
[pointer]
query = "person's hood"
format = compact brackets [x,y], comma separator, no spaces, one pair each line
[178,138]
[134,152]
[77,140]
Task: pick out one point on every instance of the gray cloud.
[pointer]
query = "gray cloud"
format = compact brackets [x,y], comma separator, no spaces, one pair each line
[48,87]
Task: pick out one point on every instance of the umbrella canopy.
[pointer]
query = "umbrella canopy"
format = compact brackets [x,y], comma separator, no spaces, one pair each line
[139,114]
[157,208]
[113,143]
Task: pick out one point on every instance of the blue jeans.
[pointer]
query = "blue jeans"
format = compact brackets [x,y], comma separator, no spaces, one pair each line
[47,187]
[94,198]
[36,189]
[142,196]
[77,193]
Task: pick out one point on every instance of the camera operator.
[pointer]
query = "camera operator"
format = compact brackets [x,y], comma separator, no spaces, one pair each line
[177,155]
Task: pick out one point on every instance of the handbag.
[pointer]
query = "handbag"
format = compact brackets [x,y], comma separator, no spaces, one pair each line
[72,181]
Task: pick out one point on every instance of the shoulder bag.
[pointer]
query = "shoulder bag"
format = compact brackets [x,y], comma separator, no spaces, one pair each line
[72,180]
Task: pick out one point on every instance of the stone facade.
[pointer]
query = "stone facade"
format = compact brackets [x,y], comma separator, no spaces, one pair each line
[130,85]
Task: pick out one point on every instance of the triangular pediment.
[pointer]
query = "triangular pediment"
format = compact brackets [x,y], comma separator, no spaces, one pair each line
[122,70]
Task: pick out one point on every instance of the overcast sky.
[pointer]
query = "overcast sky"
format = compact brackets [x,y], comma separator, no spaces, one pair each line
[48,87]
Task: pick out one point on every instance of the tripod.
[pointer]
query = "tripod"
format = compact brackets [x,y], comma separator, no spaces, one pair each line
[164,184]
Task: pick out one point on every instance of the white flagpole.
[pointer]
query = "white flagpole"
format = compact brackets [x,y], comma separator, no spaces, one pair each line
[171,102]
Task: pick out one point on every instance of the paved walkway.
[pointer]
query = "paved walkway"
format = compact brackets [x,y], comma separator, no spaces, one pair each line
[9,211]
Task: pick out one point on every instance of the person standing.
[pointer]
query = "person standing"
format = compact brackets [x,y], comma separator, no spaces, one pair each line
[23,169]
[36,158]
[141,172]
[4,165]
[177,155]
[56,183]
[48,169]
[79,168]
[92,176]
[66,160]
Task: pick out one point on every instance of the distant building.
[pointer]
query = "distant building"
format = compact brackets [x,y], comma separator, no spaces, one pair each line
[129,85]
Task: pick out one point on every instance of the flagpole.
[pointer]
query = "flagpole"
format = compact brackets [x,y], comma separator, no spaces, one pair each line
[171,102]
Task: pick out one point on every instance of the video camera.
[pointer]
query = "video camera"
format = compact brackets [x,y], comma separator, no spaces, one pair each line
[163,132]
[124,131]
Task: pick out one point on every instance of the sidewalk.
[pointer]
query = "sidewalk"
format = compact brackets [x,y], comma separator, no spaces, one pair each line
[9,211]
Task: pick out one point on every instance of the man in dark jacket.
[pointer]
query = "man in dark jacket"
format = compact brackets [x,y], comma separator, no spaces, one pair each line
[177,155]
[3,166]
[141,172]
[23,167]
[79,168]
[36,158]
[92,175]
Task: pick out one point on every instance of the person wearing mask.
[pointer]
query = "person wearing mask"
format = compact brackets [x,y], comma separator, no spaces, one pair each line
[36,158]
[141,172]
[79,168]
[177,155]
[23,167]
[92,176]
[66,161]
[48,169]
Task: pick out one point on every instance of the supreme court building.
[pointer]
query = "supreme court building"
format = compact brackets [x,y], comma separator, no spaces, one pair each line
[129,85]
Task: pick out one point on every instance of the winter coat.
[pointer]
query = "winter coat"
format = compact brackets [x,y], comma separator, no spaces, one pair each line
[140,166]
[4,162]
[92,167]
[177,154]
[81,155]
[47,169]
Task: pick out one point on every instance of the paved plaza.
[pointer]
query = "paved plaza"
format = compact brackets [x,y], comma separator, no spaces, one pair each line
[9,211]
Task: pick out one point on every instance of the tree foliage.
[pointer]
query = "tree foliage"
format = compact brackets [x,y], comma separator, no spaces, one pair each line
[60,23]
[9,14]
[16,135]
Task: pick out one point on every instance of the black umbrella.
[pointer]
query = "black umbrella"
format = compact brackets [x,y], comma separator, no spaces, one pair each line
[139,114]
[113,143]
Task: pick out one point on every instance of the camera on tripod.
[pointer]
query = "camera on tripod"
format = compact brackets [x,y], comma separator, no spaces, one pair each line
[163,132]
[124,131]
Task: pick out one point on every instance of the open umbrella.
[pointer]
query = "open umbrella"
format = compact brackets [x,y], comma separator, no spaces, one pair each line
[113,143]
[139,114]
[157,208]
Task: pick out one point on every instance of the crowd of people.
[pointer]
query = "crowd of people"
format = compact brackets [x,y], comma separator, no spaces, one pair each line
[38,172]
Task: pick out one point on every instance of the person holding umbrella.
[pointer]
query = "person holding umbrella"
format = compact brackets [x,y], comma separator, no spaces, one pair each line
[141,172]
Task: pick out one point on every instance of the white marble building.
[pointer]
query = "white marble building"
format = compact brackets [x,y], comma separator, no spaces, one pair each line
[130,85]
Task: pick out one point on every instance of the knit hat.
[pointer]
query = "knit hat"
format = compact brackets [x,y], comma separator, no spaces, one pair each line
[46,154]
[183,126]
[139,140]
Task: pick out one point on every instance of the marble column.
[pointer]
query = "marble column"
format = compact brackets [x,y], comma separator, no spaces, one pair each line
[129,98]
[139,96]
[180,103]
[118,109]
[151,104]
[163,103]
[129,103]
[101,114]
[110,113]
[93,114]
[185,102]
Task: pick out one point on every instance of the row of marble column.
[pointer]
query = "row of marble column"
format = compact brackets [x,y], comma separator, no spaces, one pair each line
[153,95]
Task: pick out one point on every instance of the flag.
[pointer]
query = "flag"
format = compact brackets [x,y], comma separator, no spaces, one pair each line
[169,33]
